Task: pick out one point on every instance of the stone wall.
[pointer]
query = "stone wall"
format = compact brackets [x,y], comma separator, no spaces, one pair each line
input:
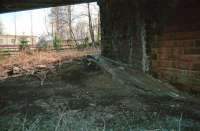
[123,33]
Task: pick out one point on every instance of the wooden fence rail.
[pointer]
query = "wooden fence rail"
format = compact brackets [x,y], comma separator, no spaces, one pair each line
[15,49]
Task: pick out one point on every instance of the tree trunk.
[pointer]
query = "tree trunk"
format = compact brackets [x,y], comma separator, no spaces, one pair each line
[98,28]
[57,22]
[91,26]
[72,36]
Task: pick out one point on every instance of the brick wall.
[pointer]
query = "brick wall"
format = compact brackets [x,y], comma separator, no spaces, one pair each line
[176,58]
[176,50]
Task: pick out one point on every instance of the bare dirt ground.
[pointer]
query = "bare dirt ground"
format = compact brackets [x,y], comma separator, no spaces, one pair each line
[94,94]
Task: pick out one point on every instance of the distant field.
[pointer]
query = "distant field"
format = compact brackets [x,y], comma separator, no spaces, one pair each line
[35,58]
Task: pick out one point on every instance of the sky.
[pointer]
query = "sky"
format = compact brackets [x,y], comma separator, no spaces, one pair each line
[39,18]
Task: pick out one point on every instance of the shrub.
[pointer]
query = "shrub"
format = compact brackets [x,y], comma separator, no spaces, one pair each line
[57,43]
[84,43]
[42,43]
[81,46]
[24,44]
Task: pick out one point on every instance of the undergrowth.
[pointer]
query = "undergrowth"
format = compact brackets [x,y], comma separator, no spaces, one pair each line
[79,121]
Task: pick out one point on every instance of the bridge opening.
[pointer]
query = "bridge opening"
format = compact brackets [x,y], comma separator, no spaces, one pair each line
[59,29]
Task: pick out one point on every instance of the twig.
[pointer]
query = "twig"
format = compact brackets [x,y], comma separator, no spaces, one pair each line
[179,123]
[104,124]
[60,118]
[24,122]
[42,77]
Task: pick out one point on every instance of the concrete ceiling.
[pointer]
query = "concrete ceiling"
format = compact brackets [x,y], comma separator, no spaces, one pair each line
[20,5]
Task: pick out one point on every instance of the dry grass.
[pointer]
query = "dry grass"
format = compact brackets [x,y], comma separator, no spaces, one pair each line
[33,59]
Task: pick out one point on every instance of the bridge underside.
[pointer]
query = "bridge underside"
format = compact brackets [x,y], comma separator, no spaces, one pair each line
[19,5]
[154,36]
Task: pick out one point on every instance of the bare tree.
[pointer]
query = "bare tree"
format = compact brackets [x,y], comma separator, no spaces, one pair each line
[98,27]
[91,30]
[15,23]
[46,23]
[69,21]
[56,20]
[62,20]
[31,19]
[65,23]
[1,28]
[92,25]
[81,30]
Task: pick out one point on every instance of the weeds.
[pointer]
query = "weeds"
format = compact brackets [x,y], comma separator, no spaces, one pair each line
[79,121]
[57,43]
[31,61]
[24,44]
